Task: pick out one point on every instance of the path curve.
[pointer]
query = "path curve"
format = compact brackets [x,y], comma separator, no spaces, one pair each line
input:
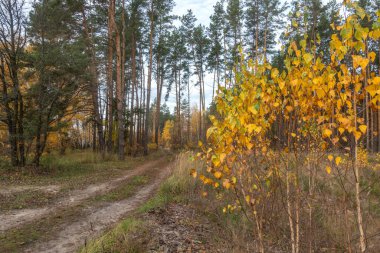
[76,234]
[16,218]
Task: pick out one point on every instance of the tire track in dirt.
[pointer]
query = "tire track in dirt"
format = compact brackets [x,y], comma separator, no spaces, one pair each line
[13,219]
[76,234]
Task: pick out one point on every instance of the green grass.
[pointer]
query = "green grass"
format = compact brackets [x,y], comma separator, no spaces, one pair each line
[16,239]
[177,188]
[76,168]
[116,240]
[124,191]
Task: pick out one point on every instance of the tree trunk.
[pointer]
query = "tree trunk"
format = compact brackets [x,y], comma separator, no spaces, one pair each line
[145,139]
[359,214]
[111,28]
[134,86]
[94,84]
[120,43]
[158,100]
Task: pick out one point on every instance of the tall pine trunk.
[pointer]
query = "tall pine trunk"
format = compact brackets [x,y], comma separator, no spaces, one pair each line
[147,105]
[111,28]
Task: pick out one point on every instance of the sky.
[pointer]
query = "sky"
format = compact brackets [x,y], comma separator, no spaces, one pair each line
[202,10]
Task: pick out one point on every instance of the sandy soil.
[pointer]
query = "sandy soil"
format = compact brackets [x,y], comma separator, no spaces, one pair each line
[75,234]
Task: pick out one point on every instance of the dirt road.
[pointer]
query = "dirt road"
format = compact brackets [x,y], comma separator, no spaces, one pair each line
[75,232]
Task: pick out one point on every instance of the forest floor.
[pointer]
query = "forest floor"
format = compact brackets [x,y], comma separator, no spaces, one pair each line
[60,210]
[82,203]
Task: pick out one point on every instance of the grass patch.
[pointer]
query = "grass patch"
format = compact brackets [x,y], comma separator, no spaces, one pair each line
[117,239]
[76,168]
[17,239]
[25,199]
[177,188]
[125,190]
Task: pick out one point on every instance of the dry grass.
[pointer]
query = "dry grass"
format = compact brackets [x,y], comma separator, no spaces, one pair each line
[333,209]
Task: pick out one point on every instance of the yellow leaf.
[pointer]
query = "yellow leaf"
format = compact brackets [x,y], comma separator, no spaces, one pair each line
[293,134]
[226,184]
[358,60]
[328,170]
[308,58]
[251,127]
[218,174]
[372,56]
[320,93]
[338,159]
[357,134]
[234,180]
[327,133]
[210,131]
[222,156]
[363,128]
[289,108]
[274,73]
[281,85]
[372,89]
[193,173]
[330,157]
[258,129]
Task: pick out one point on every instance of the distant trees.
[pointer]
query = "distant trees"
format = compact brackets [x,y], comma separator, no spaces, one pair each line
[263,18]
[108,60]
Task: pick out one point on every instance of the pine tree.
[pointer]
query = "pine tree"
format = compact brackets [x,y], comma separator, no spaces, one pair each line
[58,66]
[234,23]
[215,33]
[263,19]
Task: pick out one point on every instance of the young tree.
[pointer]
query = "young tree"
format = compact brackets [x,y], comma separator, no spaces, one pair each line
[12,44]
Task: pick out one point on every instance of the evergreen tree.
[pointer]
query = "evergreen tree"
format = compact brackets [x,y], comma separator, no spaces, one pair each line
[215,33]
[263,19]
[233,30]
[58,66]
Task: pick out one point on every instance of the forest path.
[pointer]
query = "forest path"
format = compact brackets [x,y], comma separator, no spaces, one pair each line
[16,218]
[73,234]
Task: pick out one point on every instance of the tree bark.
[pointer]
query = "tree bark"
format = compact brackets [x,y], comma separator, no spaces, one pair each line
[147,106]
[94,84]
[111,28]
